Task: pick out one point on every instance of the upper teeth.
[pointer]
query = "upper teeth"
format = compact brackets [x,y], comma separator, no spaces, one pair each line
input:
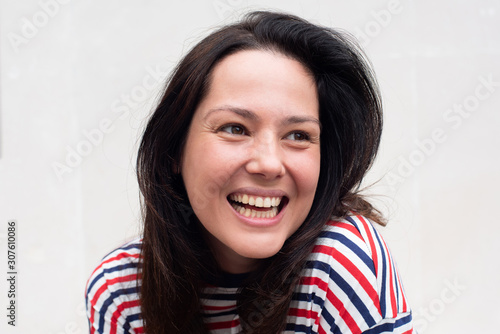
[260,202]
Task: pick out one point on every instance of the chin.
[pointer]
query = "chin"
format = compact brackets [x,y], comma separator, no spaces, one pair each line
[259,250]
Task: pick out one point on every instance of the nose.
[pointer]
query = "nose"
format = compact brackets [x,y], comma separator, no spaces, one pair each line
[266,158]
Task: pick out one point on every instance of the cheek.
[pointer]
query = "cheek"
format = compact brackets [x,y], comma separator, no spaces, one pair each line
[207,167]
[218,161]
[305,171]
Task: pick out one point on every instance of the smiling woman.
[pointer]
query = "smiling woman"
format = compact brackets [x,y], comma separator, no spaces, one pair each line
[259,125]
[249,169]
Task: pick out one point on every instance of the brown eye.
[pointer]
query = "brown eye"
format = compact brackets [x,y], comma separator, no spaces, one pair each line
[233,129]
[298,136]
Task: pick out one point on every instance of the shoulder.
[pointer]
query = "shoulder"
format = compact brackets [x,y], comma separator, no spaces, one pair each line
[119,266]
[112,290]
[354,275]
[353,245]
[355,239]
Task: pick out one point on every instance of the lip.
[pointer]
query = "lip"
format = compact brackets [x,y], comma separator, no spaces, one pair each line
[260,222]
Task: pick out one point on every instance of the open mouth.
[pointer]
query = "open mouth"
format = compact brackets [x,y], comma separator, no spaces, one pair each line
[256,206]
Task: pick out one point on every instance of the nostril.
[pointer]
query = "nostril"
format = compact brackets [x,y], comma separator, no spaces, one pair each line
[269,167]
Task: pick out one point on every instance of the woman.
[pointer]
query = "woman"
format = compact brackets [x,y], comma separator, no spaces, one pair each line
[249,169]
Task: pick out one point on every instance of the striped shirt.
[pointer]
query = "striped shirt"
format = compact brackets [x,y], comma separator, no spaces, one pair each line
[350,285]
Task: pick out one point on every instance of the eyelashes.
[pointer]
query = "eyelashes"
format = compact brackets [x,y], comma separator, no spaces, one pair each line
[298,136]
[234,129]
[240,130]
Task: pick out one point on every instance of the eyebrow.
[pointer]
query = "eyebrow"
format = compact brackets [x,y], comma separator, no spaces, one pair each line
[245,113]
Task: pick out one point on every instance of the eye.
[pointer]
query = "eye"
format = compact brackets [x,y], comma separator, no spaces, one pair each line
[233,129]
[298,136]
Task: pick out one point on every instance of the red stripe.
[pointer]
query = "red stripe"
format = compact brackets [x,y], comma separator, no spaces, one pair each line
[385,249]
[102,288]
[299,312]
[401,292]
[322,285]
[371,241]
[92,303]
[321,330]
[393,295]
[223,324]
[118,257]
[112,329]
[307,280]
[391,281]
[343,313]
[217,308]
[394,278]
[353,270]
[346,226]
[121,279]
[119,309]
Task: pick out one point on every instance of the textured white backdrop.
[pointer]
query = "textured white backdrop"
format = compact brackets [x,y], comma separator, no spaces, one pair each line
[71,70]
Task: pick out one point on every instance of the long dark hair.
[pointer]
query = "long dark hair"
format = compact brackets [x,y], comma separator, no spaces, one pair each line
[175,255]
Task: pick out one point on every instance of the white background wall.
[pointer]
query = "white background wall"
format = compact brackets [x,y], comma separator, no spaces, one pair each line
[71,68]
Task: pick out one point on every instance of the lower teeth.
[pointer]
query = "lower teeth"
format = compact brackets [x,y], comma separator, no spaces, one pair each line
[254,213]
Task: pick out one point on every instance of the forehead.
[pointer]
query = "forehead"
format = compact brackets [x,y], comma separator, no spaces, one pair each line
[262,80]
[277,60]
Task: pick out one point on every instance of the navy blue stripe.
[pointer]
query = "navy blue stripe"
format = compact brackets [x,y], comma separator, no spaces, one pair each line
[385,268]
[134,317]
[128,320]
[354,223]
[306,297]
[396,283]
[136,246]
[330,319]
[389,327]
[362,255]
[354,298]
[116,294]
[110,270]
[321,302]
[126,328]
[299,329]
[346,287]
[382,297]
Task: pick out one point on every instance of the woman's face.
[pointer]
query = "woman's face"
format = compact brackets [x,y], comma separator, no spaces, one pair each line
[251,161]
